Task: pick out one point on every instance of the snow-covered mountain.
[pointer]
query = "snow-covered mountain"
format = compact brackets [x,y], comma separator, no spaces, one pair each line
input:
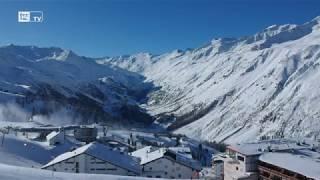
[237,89]
[46,81]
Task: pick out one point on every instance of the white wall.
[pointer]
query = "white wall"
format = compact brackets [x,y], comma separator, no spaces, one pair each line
[165,168]
[234,168]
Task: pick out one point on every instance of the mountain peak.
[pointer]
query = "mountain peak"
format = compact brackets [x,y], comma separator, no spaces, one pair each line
[30,52]
[317,19]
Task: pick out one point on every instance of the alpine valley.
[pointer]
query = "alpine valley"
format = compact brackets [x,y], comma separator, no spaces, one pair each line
[230,90]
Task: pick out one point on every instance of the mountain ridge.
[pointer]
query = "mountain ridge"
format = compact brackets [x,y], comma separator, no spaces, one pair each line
[237,89]
[229,90]
[44,81]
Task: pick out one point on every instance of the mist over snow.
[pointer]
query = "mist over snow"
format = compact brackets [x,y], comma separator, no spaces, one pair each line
[59,118]
[10,112]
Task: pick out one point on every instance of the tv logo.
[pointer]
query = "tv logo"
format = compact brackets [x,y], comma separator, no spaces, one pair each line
[30,16]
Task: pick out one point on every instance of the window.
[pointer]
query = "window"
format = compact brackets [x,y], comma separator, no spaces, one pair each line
[240,158]
[166,173]
[265,174]
[100,169]
[276,178]
[150,168]
[237,168]
[158,176]
[100,162]
[179,176]
[111,169]
[77,167]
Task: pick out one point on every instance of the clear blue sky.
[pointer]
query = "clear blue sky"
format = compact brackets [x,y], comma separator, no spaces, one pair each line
[115,27]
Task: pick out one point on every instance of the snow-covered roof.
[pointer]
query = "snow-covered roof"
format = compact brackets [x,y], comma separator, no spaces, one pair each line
[256,148]
[101,152]
[149,154]
[53,134]
[304,162]
[184,151]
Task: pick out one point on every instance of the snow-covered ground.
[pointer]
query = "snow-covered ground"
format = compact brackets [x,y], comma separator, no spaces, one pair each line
[20,151]
[8,172]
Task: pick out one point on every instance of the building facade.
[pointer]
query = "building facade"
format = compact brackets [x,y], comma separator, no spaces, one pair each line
[163,163]
[293,165]
[95,158]
[218,166]
[241,160]
[240,166]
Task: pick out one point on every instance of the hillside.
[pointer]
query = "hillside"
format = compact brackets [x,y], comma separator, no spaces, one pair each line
[60,86]
[237,89]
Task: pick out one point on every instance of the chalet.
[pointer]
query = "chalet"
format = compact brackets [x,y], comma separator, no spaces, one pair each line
[95,158]
[293,164]
[167,163]
[242,159]
[55,137]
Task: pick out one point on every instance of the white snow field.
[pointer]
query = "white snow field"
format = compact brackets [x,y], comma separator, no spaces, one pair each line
[8,172]
[20,151]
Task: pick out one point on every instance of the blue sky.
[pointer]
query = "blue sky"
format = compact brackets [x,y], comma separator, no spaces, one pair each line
[116,27]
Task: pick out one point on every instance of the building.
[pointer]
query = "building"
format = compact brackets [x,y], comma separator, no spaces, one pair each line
[86,134]
[293,165]
[55,137]
[242,159]
[167,163]
[95,158]
[217,166]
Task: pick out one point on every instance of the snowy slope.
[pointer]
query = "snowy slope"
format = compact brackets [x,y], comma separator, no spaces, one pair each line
[238,89]
[20,151]
[46,81]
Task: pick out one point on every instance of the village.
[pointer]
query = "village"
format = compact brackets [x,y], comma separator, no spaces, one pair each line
[96,149]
